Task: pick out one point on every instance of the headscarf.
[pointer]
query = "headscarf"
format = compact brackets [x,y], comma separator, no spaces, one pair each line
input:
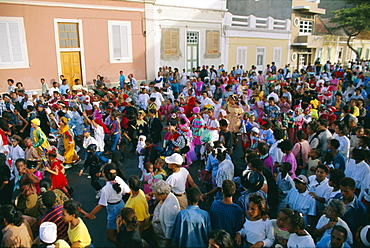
[99,121]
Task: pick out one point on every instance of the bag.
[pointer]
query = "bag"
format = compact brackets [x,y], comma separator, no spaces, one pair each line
[186,148]
[300,159]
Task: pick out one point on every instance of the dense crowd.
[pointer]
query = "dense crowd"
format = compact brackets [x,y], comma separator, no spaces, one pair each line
[304,137]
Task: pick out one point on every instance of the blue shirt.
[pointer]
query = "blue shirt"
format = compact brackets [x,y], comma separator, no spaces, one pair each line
[212,164]
[355,215]
[228,217]
[63,89]
[122,78]
[176,87]
[325,243]
[339,162]
[191,227]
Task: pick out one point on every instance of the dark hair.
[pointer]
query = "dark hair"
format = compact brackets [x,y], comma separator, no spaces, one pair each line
[256,163]
[149,140]
[260,201]
[348,182]
[334,143]
[336,175]
[301,135]
[358,154]
[287,211]
[287,166]
[285,145]
[297,220]
[153,111]
[172,123]
[328,158]
[72,207]
[110,172]
[221,156]
[342,127]
[278,133]
[346,109]
[228,188]
[19,160]
[263,148]
[11,215]
[221,238]
[129,216]
[223,123]
[193,195]
[134,182]
[48,198]
[267,124]
[323,167]
[323,122]
[341,229]
[46,183]
[365,140]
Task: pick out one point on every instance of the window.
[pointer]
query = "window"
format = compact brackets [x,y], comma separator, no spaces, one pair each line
[277,56]
[192,38]
[328,57]
[120,41]
[367,53]
[359,49]
[213,42]
[319,53]
[170,42]
[68,35]
[305,27]
[241,56]
[260,58]
[13,49]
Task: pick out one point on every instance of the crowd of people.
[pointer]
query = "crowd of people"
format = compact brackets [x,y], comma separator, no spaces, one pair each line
[304,137]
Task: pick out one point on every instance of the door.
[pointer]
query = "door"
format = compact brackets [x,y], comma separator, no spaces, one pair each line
[71,66]
[260,58]
[192,42]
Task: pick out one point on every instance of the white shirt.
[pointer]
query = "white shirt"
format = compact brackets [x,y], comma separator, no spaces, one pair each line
[178,181]
[158,99]
[88,141]
[99,136]
[52,89]
[259,230]
[358,172]
[303,203]
[320,189]
[274,95]
[296,241]
[324,220]
[167,215]
[344,145]
[143,100]
[109,195]
[276,153]
[213,124]
[365,185]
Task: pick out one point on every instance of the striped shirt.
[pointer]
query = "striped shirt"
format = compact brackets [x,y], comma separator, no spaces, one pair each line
[302,202]
[55,215]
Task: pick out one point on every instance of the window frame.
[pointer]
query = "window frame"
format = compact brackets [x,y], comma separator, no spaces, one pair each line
[127,59]
[210,38]
[278,62]
[239,58]
[23,44]
[306,31]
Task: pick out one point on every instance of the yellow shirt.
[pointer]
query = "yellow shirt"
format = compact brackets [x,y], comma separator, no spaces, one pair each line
[140,205]
[356,111]
[79,233]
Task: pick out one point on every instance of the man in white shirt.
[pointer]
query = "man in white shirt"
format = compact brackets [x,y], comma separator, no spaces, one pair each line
[54,88]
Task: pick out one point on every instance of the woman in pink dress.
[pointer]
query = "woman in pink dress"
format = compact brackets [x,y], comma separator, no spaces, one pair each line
[286,147]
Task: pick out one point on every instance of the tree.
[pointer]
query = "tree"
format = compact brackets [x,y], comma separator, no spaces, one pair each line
[353,20]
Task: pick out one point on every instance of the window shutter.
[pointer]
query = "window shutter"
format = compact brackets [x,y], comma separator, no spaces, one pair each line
[170,42]
[124,42]
[277,56]
[116,41]
[166,36]
[241,56]
[174,42]
[4,44]
[213,42]
[15,40]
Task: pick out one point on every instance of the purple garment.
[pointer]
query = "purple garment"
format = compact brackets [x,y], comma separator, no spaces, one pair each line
[269,163]
[292,160]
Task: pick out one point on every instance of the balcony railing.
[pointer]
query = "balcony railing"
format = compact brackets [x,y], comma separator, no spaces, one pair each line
[252,22]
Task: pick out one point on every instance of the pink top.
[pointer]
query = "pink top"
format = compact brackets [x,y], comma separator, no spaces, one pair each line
[292,160]
[269,163]
[305,150]
[334,84]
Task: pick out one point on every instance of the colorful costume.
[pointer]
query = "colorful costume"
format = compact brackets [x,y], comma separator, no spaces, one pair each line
[68,142]
[40,141]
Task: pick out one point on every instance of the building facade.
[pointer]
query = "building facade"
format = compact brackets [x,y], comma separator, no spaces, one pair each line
[44,39]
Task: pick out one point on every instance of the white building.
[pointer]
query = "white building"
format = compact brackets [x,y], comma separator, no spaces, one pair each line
[184,34]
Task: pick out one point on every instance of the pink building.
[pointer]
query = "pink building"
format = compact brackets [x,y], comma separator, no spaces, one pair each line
[79,39]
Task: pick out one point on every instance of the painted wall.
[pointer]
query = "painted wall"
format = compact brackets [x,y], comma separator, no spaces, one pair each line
[252,44]
[40,37]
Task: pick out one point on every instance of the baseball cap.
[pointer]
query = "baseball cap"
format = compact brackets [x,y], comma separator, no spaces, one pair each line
[174,159]
[302,179]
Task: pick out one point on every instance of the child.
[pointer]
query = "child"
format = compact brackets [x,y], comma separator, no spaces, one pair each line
[286,147]
[159,172]
[128,236]
[147,176]
[93,161]
[226,136]
[339,161]
[56,173]
[313,161]
[255,139]
[299,237]
[280,232]
[245,128]
[284,182]
[15,152]
[139,148]
[167,109]
[327,159]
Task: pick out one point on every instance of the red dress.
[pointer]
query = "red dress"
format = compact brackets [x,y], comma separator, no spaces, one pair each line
[59,181]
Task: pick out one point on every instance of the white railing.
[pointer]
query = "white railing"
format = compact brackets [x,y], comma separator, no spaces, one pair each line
[259,23]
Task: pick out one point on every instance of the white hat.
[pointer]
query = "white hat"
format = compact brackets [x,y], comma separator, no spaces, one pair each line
[255,130]
[128,99]
[34,93]
[223,112]
[174,159]
[48,232]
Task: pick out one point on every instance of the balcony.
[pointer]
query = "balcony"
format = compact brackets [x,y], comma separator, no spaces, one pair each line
[307,41]
[252,22]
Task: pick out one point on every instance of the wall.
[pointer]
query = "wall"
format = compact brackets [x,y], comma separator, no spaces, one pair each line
[39,28]
[252,44]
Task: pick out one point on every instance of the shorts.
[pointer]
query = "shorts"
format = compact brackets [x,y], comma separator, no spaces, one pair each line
[113,210]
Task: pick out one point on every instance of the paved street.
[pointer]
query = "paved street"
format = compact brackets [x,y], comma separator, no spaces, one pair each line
[85,194]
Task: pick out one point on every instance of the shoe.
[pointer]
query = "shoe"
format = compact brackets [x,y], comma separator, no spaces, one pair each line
[68,166]
[76,161]
[98,194]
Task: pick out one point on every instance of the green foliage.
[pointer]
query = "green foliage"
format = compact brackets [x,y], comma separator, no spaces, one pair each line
[357,1]
[353,20]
